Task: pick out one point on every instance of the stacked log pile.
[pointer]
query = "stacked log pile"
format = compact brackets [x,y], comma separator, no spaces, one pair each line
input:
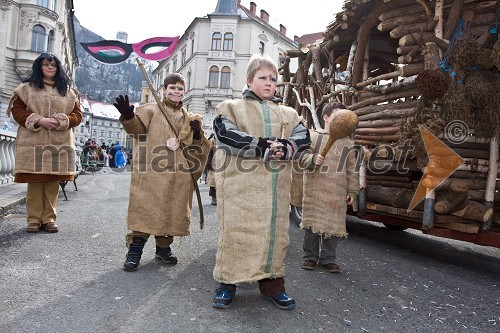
[381,47]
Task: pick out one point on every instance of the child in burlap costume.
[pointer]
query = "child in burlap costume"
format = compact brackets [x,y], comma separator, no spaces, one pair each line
[161,186]
[330,181]
[256,140]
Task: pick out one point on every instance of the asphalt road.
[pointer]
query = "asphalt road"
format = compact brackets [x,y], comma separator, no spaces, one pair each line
[73,281]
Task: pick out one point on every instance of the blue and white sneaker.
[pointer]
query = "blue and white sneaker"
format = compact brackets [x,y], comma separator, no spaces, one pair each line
[223,298]
[282,301]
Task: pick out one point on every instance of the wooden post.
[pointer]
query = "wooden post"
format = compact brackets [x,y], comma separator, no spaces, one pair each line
[489,197]
[438,11]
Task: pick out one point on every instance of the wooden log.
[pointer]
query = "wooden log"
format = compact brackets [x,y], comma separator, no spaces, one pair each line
[423,38]
[380,123]
[379,138]
[411,69]
[407,58]
[400,179]
[387,76]
[432,56]
[475,211]
[473,184]
[407,49]
[481,6]
[453,199]
[384,98]
[382,107]
[492,177]
[472,153]
[439,13]
[480,195]
[389,24]
[483,19]
[365,143]
[393,86]
[390,196]
[364,31]
[400,31]
[390,113]
[453,17]
[401,11]
[415,215]
[377,131]
[390,184]
[455,223]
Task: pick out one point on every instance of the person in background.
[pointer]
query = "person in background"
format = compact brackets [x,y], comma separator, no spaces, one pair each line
[327,192]
[256,140]
[161,186]
[46,109]
[111,156]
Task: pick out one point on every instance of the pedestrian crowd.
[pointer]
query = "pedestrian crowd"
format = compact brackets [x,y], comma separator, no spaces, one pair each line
[247,162]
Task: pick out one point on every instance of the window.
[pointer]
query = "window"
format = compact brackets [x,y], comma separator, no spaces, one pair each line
[53,7]
[261,48]
[50,41]
[213,78]
[225,78]
[228,41]
[167,70]
[43,3]
[174,66]
[188,80]
[183,57]
[192,46]
[38,39]
[216,41]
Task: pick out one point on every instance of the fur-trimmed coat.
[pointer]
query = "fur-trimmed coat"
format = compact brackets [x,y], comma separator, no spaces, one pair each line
[161,187]
[253,197]
[325,188]
[41,154]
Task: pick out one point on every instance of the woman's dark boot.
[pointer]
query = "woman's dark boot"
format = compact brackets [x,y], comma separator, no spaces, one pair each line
[134,254]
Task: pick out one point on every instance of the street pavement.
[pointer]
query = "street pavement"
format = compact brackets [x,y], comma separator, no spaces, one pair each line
[72,281]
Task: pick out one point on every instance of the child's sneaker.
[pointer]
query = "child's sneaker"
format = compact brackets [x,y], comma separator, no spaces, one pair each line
[282,301]
[224,296]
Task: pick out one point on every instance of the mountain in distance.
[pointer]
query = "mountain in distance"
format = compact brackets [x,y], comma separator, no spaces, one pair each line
[103,82]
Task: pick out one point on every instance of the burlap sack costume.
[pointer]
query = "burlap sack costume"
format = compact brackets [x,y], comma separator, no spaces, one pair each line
[325,190]
[161,188]
[40,151]
[253,197]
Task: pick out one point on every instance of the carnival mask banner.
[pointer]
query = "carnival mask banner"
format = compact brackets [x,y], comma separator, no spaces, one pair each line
[115,52]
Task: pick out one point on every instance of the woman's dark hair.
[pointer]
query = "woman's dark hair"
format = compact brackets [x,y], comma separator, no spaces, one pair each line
[36,77]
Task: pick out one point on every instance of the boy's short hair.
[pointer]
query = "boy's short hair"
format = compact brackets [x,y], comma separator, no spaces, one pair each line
[328,108]
[173,78]
[258,61]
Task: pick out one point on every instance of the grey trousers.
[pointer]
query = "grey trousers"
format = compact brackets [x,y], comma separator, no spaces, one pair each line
[319,249]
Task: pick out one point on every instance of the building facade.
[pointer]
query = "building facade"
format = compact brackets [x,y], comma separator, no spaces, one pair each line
[28,28]
[214,52]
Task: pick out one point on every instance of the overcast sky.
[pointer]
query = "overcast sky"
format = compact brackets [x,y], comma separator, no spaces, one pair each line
[152,18]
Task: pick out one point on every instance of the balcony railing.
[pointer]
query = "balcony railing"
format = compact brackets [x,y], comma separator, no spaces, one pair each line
[7,154]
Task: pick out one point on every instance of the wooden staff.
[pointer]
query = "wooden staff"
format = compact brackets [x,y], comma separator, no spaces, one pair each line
[164,111]
[343,123]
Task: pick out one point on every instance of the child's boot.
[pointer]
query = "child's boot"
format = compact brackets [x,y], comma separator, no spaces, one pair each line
[224,296]
[134,254]
[165,255]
